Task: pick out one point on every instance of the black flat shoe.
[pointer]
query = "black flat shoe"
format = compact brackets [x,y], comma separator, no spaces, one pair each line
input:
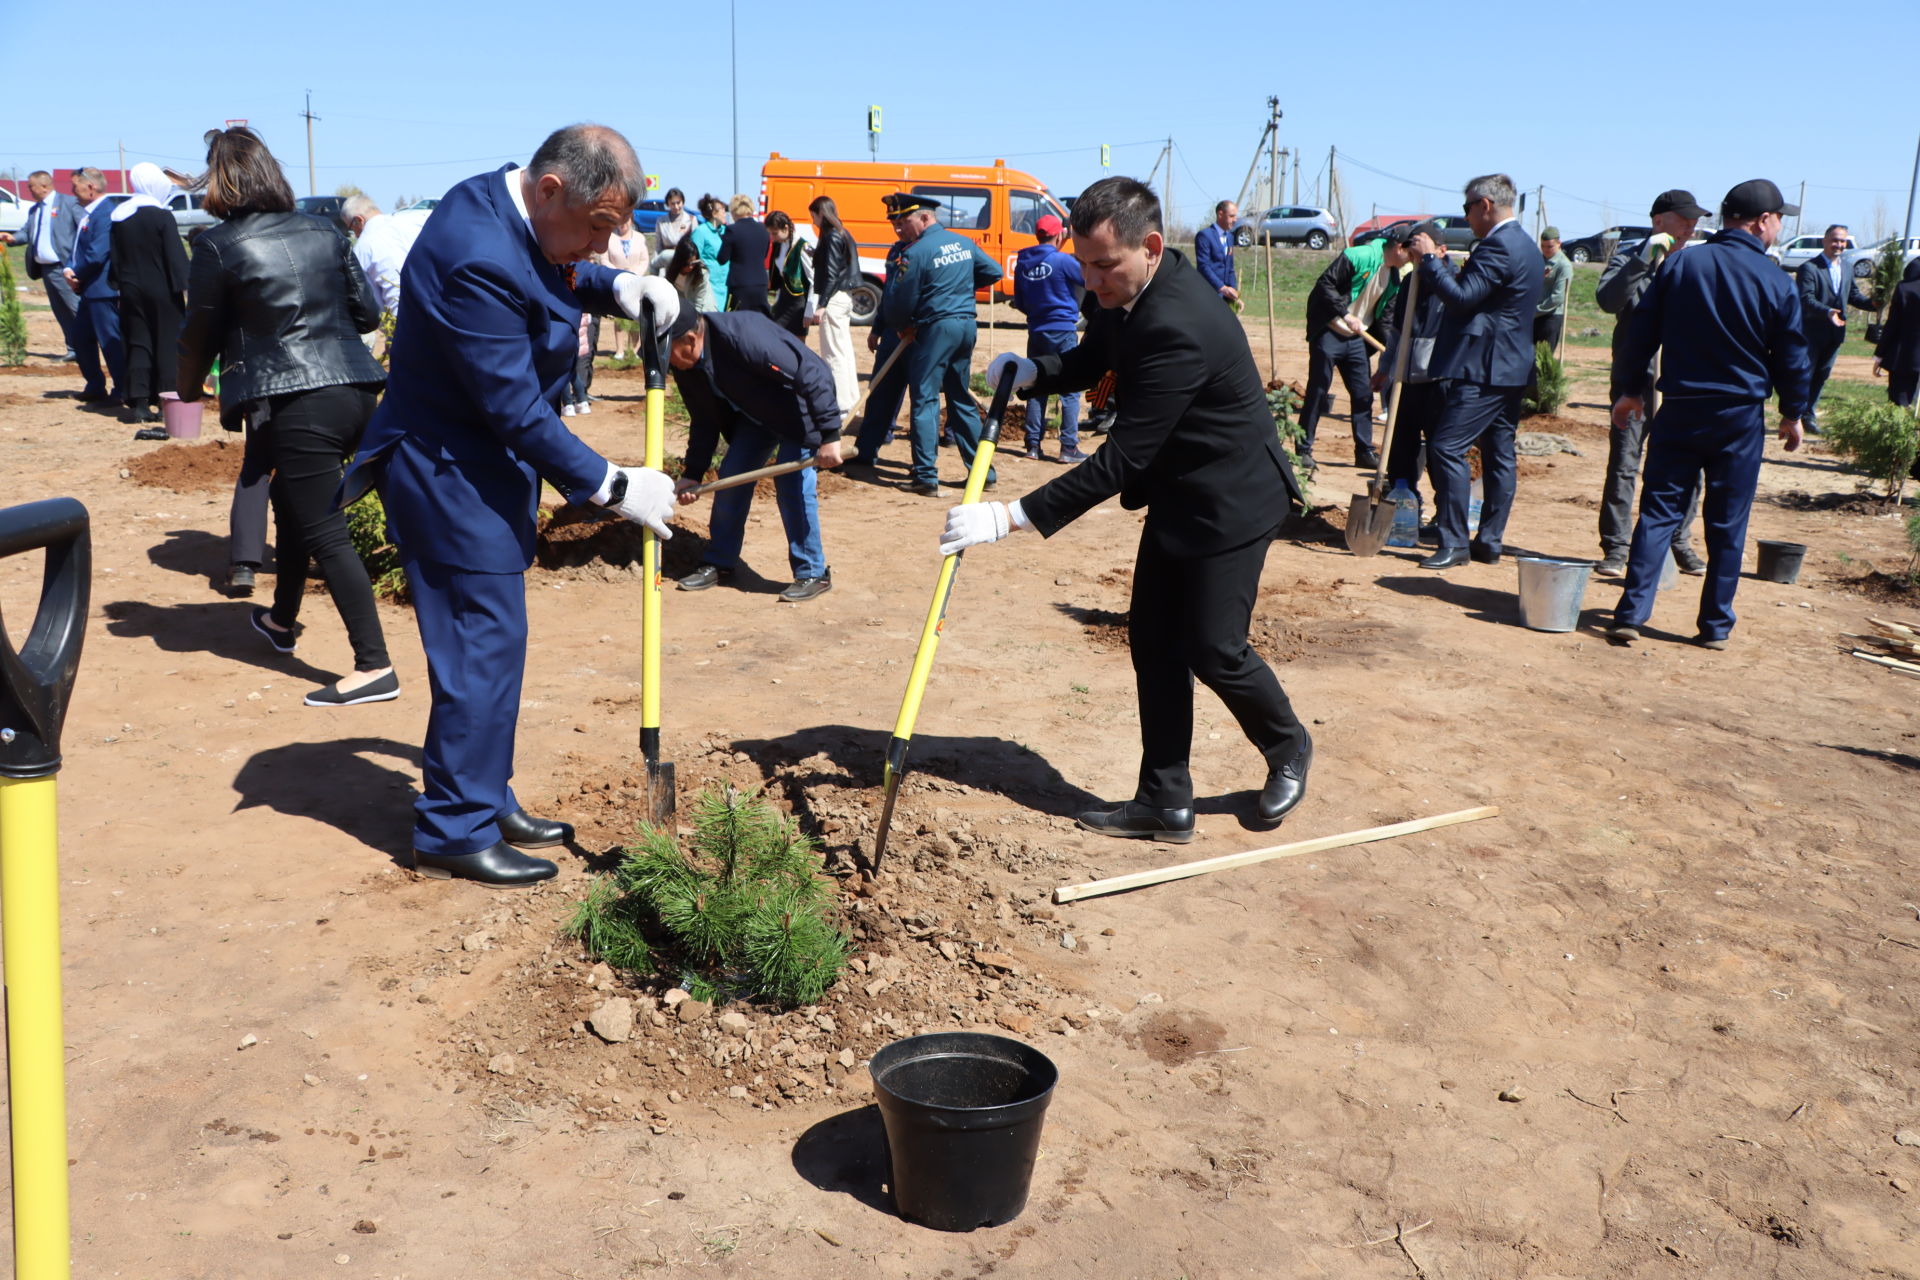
[497,866]
[1286,787]
[1481,553]
[1136,821]
[150,433]
[283,641]
[380,689]
[525,831]
[1445,558]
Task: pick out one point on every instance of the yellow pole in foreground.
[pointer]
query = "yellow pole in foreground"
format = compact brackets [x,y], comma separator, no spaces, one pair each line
[36,1046]
[36,681]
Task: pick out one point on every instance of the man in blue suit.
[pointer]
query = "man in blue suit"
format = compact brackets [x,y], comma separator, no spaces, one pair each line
[469,426]
[96,327]
[1827,288]
[1484,355]
[48,236]
[1213,252]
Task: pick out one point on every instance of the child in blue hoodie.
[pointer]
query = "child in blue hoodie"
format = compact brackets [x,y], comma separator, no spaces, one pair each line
[1047,287]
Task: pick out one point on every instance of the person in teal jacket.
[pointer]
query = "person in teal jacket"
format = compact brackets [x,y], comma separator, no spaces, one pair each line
[932,310]
[706,241]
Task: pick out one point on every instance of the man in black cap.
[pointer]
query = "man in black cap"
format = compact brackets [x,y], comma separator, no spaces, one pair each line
[1726,322]
[1622,285]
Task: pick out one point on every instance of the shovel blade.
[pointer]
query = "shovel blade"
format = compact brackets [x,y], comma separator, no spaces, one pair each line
[660,792]
[1368,524]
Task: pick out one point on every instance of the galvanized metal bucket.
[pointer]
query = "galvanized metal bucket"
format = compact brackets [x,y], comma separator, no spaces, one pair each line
[1551,591]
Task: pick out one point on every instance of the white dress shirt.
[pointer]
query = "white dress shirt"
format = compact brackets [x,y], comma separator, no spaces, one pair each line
[381,250]
[43,251]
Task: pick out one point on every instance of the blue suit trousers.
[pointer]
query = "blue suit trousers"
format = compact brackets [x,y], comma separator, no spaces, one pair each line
[1474,413]
[940,360]
[1726,440]
[96,333]
[883,400]
[473,627]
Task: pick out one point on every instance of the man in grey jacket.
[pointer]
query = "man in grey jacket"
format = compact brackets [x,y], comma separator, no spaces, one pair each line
[1625,281]
[48,236]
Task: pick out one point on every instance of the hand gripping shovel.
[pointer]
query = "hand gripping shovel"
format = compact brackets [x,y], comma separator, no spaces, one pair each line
[660,790]
[1370,514]
[896,769]
[35,683]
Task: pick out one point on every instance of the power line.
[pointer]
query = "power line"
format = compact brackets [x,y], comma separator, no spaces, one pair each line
[1361,164]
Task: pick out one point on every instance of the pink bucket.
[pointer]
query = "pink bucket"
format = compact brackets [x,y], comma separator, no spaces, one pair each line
[182,419]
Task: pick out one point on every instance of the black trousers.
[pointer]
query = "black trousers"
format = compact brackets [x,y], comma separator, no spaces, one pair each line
[1821,353]
[1325,353]
[1420,404]
[753,299]
[150,331]
[247,517]
[1546,328]
[307,438]
[1190,617]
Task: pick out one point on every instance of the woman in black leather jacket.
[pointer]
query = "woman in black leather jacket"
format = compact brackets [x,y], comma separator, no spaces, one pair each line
[277,296]
[836,269]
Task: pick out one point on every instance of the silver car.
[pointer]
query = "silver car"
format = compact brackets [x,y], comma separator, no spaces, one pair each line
[190,215]
[1863,259]
[1791,253]
[1289,224]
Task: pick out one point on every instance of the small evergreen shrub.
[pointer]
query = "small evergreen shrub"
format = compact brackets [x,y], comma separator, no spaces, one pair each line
[1550,383]
[740,911]
[13,324]
[1874,436]
[367,528]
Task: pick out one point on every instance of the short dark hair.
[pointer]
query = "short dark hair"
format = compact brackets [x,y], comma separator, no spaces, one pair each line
[1838,226]
[242,175]
[1221,207]
[671,193]
[590,160]
[39,173]
[1127,203]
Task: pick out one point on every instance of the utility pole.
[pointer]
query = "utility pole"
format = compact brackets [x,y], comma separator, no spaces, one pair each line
[1273,174]
[312,190]
[1295,158]
[1169,218]
[1913,185]
[123,165]
[733,59]
[1803,206]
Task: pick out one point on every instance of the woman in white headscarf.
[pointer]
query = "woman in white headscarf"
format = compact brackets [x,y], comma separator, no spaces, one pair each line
[148,266]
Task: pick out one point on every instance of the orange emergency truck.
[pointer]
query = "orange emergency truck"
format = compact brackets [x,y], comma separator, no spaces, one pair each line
[991,204]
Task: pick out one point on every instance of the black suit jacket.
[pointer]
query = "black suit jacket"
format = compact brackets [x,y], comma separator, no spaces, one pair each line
[1194,441]
[1899,349]
[66,223]
[1818,296]
[1487,335]
[148,260]
[744,249]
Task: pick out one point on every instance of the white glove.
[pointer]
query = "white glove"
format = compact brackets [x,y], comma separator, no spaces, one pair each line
[973,523]
[648,500]
[631,291]
[1025,373]
[1658,246]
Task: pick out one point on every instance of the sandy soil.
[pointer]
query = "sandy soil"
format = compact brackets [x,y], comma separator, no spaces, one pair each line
[1684,950]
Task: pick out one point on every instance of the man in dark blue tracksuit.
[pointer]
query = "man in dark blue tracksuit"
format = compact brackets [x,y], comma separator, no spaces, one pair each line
[884,394]
[1726,321]
[745,377]
[933,311]
[1047,288]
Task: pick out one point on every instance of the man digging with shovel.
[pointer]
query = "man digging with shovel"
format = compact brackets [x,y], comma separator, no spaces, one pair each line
[1195,444]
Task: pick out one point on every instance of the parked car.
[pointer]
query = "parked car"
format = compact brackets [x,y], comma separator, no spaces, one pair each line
[13,211]
[1450,229]
[1599,246]
[1862,260]
[417,213]
[1372,227]
[327,207]
[647,215]
[189,215]
[1289,224]
[1791,253]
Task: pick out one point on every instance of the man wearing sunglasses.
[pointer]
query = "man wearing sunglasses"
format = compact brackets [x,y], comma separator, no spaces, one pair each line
[1483,356]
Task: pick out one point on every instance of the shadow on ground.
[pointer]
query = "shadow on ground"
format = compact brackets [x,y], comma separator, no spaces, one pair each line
[337,783]
[847,1155]
[218,627]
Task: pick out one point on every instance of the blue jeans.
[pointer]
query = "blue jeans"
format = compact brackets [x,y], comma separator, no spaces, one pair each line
[940,359]
[1054,343]
[799,512]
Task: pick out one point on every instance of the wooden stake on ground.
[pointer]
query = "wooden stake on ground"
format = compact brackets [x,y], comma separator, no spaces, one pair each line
[1140,879]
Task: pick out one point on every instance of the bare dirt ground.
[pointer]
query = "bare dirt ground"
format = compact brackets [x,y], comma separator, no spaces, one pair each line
[1685,952]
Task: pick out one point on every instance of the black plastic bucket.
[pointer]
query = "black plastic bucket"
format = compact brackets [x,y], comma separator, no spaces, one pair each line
[1780,561]
[963,1113]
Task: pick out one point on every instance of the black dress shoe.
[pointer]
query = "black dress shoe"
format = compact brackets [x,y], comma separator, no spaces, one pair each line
[1481,553]
[1366,459]
[1286,786]
[528,832]
[497,866]
[1136,821]
[1445,558]
[925,488]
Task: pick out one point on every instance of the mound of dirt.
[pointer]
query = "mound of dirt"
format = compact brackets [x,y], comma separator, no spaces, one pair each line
[190,468]
[1859,504]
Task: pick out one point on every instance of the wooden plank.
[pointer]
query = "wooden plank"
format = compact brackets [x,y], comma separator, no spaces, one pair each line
[1904,668]
[1140,879]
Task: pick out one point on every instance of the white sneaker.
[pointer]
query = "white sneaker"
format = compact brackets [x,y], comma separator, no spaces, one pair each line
[566,411]
[586,409]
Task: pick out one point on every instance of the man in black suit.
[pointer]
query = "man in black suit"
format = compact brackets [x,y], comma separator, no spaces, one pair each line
[1827,289]
[1484,355]
[1898,354]
[48,236]
[1195,444]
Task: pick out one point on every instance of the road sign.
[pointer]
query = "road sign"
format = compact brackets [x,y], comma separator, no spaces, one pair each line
[873,118]
[1106,156]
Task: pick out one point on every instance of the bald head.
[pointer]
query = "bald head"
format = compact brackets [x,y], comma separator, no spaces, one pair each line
[592,162]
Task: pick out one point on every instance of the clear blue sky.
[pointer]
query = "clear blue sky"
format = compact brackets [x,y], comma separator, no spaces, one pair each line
[413,97]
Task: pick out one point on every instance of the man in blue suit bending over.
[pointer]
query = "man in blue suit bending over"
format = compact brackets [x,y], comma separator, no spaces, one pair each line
[1482,355]
[469,426]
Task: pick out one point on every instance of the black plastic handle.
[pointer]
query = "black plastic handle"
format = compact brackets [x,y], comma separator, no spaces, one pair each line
[36,681]
[653,347]
[998,409]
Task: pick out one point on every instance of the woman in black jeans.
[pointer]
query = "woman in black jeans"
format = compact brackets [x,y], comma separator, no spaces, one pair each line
[278,297]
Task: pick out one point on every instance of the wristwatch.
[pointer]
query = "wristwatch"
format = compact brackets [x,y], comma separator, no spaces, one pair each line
[618,493]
